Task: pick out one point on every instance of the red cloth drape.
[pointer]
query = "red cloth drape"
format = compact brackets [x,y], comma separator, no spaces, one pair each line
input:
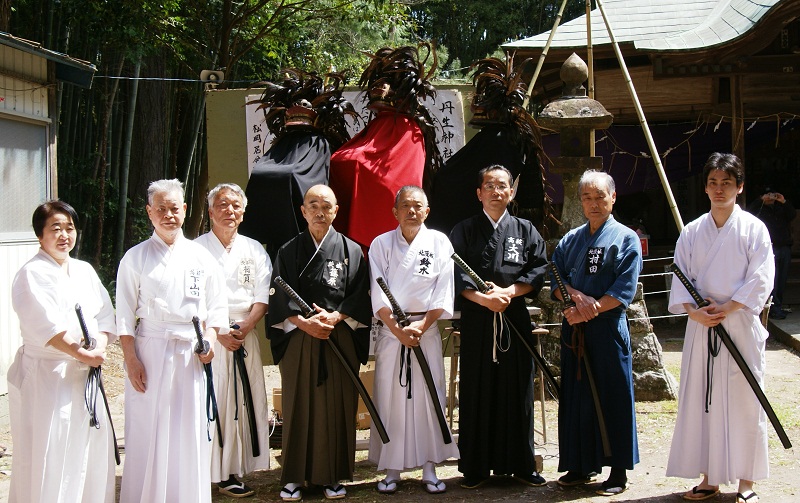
[367,171]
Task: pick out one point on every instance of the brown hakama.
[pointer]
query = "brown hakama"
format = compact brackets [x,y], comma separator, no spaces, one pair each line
[319,422]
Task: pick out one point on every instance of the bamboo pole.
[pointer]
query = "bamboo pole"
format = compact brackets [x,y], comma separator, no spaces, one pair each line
[590,65]
[643,121]
[544,55]
[119,241]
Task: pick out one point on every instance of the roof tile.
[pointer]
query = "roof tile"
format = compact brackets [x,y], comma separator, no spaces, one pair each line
[660,24]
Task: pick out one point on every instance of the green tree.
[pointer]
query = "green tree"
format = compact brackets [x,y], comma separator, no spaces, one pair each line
[475,29]
[143,118]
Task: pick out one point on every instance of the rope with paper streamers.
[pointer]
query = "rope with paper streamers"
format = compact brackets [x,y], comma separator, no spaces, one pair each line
[702,123]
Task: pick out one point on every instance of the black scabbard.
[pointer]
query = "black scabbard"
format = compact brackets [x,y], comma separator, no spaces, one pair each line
[239,363]
[587,363]
[95,379]
[539,359]
[737,357]
[108,414]
[212,412]
[403,321]
[308,311]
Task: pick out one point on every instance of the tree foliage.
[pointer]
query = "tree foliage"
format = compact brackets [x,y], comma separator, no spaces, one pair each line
[143,118]
[475,29]
[165,44]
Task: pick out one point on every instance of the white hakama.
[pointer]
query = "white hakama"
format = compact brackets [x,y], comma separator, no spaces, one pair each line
[236,455]
[420,277]
[58,456]
[247,270]
[167,434]
[732,263]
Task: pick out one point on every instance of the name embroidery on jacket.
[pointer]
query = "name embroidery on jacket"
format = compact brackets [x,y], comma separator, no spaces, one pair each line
[333,273]
[513,248]
[594,259]
[424,264]
[194,283]
[247,268]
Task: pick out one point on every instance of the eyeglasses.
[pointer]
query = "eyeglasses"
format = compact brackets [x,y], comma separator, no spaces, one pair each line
[490,187]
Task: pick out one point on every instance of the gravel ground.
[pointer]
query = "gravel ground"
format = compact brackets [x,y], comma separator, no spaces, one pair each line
[647,482]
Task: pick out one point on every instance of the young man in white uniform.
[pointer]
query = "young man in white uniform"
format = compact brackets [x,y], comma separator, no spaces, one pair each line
[721,429]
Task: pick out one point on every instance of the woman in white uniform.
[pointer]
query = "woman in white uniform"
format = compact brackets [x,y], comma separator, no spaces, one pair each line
[58,455]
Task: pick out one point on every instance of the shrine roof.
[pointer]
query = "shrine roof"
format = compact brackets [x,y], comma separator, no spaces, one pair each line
[659,25]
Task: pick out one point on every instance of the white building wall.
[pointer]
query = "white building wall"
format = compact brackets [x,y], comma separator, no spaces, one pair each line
[24,96]
[23,84]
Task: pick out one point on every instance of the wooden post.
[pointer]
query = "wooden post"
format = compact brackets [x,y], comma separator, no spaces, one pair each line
[643,121]
[737,125]
[590,65]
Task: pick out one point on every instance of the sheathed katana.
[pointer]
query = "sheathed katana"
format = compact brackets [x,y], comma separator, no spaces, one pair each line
[308,312]
[238,364]
[737,357]
[212,412]
[403,321]
[582,353]
[483,287]
[94,383]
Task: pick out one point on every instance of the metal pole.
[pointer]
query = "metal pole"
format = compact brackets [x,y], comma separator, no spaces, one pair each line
[643,121]
[543,55]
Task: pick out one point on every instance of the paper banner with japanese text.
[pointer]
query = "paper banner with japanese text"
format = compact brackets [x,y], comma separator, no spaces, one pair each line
[446,109]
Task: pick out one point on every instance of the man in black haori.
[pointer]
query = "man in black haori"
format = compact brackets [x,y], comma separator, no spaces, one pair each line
[329,272]
[496,387]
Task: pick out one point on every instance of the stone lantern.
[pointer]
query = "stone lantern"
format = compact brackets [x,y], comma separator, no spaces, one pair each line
[574,116]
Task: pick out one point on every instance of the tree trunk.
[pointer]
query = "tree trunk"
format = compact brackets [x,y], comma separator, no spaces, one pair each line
[199,185]
[5,15]
[119,241]
[118,128]
[101,163]
[193,195]
[150,134]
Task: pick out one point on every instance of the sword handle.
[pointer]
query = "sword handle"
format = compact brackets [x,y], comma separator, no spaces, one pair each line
[89,343]
[399,314]
[307,310]
[202,347]
[482,286]
[698,299]
[565,296]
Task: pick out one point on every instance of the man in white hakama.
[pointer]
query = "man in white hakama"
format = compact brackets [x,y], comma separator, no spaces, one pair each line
[58,455]
[247,270]
[416,265]
[164,282]
[727,255]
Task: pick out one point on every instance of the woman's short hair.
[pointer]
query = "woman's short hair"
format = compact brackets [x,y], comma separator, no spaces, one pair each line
[226,186]
[47,210]
[493,167]
[729,163]
[164,187]
[594,178]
